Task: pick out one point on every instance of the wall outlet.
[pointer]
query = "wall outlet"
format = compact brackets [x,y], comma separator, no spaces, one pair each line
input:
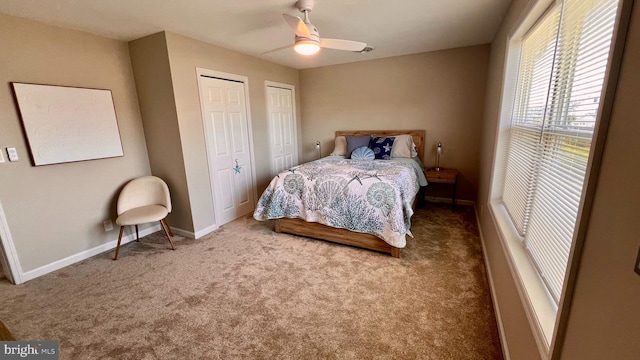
[108,225]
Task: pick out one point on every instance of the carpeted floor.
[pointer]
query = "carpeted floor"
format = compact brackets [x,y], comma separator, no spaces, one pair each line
[247,292]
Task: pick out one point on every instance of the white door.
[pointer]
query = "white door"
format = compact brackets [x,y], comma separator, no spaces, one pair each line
[282,131]
[8,255]
[227,137]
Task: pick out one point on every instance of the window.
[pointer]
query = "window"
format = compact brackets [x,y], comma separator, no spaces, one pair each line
[563,60]
[555,74]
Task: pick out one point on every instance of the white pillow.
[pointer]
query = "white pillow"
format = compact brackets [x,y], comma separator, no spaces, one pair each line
[340,147]
[403,147]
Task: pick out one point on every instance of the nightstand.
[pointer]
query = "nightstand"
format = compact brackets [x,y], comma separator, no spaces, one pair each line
[444,176]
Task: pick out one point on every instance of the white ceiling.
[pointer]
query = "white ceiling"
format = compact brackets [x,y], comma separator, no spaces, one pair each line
[255,26]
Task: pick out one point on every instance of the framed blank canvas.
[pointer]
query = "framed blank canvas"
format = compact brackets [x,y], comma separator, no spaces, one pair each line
[66,124]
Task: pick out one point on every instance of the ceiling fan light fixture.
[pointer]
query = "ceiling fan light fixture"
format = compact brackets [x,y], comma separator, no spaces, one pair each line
[306,47]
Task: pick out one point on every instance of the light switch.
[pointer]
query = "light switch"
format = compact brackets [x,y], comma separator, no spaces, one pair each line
[1,157]
[13,154]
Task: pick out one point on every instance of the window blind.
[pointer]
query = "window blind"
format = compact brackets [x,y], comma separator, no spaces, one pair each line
[561,75]
[527,118]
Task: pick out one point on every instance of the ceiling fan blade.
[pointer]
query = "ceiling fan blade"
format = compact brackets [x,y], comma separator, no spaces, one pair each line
[277,49]
[298,26]
[339,44]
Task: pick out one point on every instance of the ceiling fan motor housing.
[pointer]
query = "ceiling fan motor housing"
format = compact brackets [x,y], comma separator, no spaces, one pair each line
[305,5]
[314,35]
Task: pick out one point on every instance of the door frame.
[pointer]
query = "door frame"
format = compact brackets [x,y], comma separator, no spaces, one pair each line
[268,83]
[245,81]
[8,254]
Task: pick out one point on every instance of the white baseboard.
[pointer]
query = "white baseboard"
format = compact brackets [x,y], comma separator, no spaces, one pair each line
[194,235]
[59,264]
[182,232]
[494,299]
[202,232]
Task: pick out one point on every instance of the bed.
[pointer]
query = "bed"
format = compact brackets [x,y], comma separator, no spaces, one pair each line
[367,204]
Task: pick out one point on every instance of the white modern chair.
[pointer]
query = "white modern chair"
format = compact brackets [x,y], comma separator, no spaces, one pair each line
[143,200]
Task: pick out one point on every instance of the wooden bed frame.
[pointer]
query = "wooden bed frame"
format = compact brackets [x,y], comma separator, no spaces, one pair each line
[343,236]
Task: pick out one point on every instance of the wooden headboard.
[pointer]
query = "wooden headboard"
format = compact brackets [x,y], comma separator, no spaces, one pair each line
[418,136]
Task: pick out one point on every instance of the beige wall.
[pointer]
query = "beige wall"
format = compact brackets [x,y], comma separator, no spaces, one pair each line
[604,317]
[150,61]
[56,211]
[519,338]
[441,92]
[185,54]
[183,115]
[604,321]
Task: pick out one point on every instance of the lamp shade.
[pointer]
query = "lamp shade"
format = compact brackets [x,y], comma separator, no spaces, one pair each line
[306,47]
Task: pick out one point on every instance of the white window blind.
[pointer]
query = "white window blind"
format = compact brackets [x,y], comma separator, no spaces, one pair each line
[527,118]
[563,61]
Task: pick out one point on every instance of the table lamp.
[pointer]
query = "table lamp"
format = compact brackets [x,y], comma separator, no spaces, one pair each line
[438,156]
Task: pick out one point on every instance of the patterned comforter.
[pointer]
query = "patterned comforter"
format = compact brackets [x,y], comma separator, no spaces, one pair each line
[371,197]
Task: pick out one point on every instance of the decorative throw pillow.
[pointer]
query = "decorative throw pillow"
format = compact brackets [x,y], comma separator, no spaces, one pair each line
[381,147]
[354,142]
[402,147]
[362,153]
[340,147]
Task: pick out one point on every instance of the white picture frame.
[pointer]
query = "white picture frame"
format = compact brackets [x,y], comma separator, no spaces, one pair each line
[66,124]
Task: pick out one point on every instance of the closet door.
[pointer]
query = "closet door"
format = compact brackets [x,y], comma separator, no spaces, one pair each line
[227,137]
[282,129]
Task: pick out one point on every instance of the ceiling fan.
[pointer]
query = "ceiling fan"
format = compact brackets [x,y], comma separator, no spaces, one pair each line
[308,41]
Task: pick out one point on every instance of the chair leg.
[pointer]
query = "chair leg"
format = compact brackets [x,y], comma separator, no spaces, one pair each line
[166,231]
[119,240]
[166,222]
[137,236]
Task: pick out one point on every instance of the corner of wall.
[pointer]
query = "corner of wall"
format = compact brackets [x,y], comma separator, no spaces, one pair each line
[151,65]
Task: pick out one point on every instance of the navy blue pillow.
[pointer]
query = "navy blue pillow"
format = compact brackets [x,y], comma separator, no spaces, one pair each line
[381,147]
[354,142]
